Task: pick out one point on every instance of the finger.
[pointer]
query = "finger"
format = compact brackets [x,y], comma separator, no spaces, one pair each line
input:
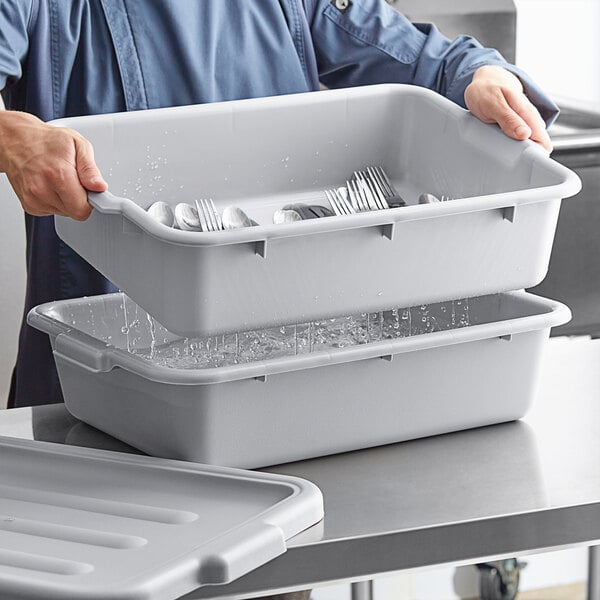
[71,196]
[527,125]
[544,141]
[527,111]
[87,170]
[56,206]
[509,120]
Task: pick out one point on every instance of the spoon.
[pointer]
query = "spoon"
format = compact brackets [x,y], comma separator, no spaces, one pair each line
[310,211]
[163,213]
[428,199]
[186,218]
[235,218]
[284,215]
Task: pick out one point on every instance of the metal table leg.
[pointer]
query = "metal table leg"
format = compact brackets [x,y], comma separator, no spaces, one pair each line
[362,590]
[593,583]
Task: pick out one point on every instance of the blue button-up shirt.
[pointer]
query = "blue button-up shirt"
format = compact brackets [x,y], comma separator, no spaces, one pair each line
[63,58]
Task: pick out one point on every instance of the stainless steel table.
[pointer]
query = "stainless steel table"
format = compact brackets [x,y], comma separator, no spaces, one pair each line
[498,491]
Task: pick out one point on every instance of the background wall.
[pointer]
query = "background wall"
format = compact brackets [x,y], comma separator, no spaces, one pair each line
[12,276]
[558,41]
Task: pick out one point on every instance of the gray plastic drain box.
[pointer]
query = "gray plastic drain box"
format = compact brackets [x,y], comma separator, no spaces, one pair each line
[261,154]
[81,524]
[300,406]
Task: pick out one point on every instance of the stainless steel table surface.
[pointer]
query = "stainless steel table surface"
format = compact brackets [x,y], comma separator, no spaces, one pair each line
[498,491]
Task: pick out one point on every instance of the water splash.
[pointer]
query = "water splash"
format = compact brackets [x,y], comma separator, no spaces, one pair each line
[302,338]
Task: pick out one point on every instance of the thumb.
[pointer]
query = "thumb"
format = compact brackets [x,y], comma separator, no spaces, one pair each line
[87,171]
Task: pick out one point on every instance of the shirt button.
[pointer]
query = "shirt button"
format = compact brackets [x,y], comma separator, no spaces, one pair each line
[342,5]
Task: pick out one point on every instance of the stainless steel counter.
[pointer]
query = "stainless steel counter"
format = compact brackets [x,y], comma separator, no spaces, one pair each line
[503,490]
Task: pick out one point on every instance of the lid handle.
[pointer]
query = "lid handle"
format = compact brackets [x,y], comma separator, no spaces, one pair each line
[241,551]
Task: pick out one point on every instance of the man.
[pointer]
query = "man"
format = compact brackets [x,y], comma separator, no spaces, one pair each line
[60,59]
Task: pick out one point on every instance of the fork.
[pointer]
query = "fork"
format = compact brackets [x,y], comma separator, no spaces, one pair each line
[210,220]
[367,191]
[386,193]
[338,199]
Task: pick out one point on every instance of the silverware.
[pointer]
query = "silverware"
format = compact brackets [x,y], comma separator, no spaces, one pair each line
[284,215]
[367,192]
[163,213]
[379,184]
[431,199]
[339,201]
[186,218]
[357,198]
[208,215]
[309,211]
[235,218]
[428,199]
[369,189]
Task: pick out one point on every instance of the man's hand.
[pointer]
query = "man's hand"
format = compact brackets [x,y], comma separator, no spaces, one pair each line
[495,95]
[50,168]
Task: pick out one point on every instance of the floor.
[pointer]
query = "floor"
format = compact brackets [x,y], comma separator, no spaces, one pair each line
[574,591]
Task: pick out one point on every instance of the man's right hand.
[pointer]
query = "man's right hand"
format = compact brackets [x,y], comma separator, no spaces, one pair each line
[50,168]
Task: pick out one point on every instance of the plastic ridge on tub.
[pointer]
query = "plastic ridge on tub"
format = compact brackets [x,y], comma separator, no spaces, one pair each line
[84,523]
[506,197]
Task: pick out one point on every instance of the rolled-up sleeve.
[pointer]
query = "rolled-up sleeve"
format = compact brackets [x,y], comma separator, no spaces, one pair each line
[15,18]
[370,42]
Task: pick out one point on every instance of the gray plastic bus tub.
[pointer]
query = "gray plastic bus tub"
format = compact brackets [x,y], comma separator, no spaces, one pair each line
[295,407]
[261,154]
[88,524]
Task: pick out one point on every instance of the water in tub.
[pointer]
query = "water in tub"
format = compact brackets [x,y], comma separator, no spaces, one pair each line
[125,325]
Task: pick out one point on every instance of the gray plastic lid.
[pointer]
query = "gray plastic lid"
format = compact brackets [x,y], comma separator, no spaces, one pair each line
[86,523]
